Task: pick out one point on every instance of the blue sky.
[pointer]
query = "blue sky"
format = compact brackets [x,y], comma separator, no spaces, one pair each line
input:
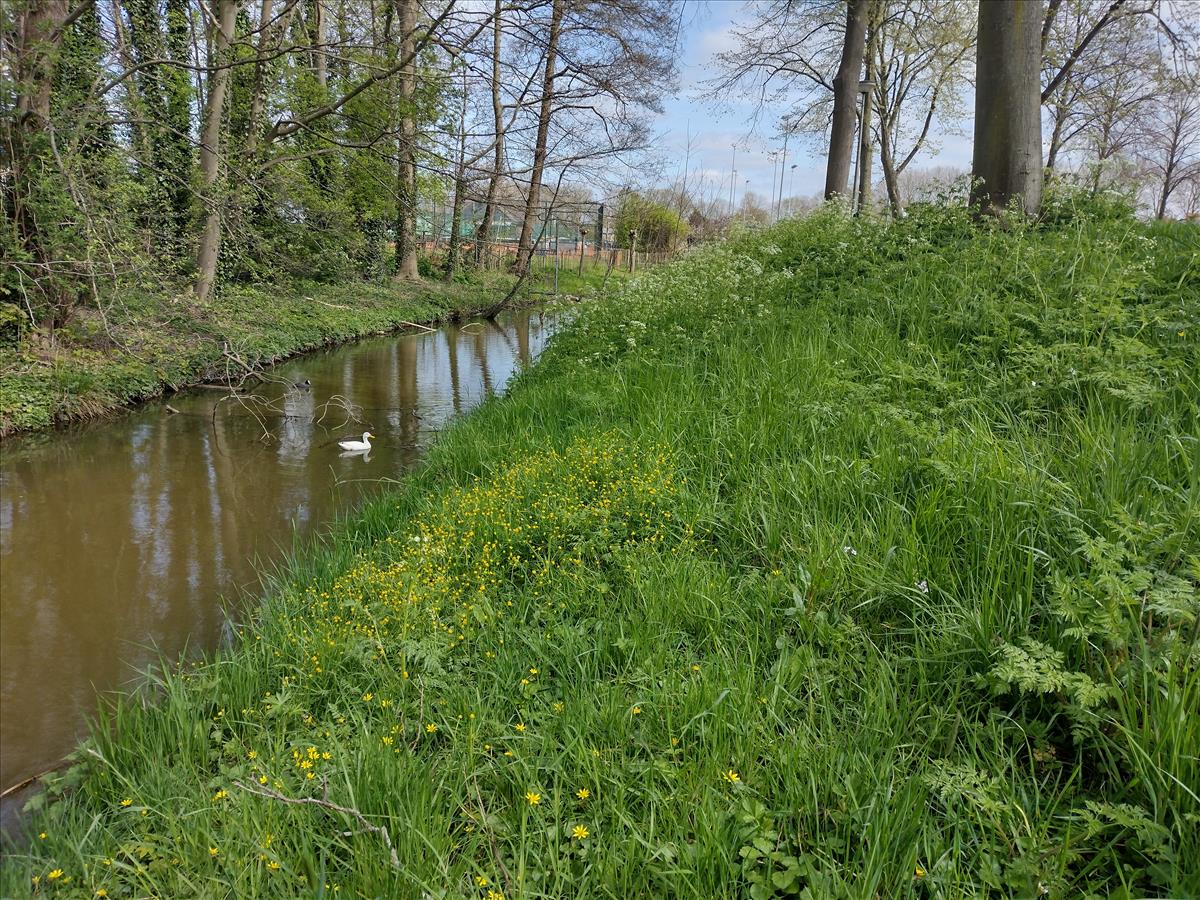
[715,130]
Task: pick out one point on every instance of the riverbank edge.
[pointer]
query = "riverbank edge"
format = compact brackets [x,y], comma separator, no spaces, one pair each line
[36,387]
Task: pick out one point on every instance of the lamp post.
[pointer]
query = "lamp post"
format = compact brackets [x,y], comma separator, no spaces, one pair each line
[864,92]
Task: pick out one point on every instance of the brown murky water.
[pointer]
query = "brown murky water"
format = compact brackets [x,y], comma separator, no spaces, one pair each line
[127,539]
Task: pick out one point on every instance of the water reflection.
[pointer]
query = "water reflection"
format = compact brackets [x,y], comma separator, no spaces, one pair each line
[119,540]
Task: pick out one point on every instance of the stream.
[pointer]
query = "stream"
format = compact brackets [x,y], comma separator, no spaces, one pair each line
[137,537]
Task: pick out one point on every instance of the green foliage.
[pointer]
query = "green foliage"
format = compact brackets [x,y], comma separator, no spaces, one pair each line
[13,325]
[885,618]
[658,228]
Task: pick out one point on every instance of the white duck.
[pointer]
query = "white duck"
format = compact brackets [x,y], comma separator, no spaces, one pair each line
[364,444]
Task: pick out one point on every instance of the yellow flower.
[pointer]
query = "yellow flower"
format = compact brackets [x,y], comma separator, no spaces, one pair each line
[253,754]
[41,835]
[213,851]
[695,668]
[494,895]
[919,873]
[128,801]
[273,866]
[583,793]
[533,671]
[430,728]
[637,710]
[481,880]
[520,727]
[368,697]
[732,777]
[55,874]
[533,798]
[387,740]
[262,779]
[220,795]
[101,892]
[579,832]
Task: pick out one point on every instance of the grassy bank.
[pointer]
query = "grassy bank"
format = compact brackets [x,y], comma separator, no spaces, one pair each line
[147,344]
[847,560]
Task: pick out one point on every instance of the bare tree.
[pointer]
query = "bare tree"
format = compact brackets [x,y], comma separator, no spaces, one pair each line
[786,56]
[489,210]
[545,109]
[1170,148]
[921,54]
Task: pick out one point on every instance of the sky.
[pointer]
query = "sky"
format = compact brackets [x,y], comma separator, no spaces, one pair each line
[714,131]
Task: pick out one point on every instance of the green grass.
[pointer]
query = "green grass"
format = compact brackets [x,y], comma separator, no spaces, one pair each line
[150,342]
[588,284]
[850,559]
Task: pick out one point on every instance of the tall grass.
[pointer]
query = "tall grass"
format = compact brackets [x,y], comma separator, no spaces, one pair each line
[850,559]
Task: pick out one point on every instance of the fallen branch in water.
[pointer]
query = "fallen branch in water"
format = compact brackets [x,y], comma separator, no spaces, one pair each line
[325,803]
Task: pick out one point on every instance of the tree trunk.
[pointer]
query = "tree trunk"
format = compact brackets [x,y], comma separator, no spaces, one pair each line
[865,145]
[1007,163]
[891,178]
[845,100]
[460,188]
[210,150]
[489,205]
[452,253]
[39,32]
[40,29]
[1056,139]
[178,154]
[525,244]
[258,93]
[1172,163]
[406,167]
[321,61]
